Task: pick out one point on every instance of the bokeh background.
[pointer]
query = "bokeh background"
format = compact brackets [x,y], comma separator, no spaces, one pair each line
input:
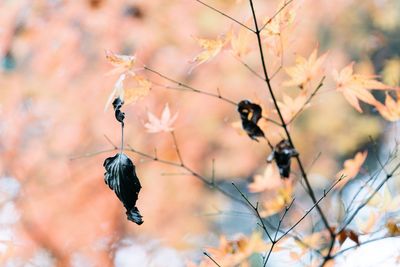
[55,208]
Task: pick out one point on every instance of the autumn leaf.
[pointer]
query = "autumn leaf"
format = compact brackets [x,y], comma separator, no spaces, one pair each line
[117,92]
[276,203]
[211,48]
[270,180]
[275,25]
[385,202]
[391,110]
[345,233]
[366,226]
[305,70]
[291,106]
[121,63]
[351,168]
[164,124]
[236,251]
[391,70]
[393,228]
[240,42]
[313,241]
[140,90]
[355,87]
[129,95]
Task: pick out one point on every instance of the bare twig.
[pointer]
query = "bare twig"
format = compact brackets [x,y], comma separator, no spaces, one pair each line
[211,258]
[225,15]
[321,83]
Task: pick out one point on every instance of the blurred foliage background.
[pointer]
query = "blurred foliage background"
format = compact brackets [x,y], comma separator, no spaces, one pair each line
[53,86]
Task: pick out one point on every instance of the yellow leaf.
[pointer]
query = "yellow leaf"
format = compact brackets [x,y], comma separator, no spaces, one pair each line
[278,201]
[121,63]
[291,106]
[271,179]
[391,72]
[240,42]
[367,226]
[236,251]
[305,70]
[211,48]
[275,25]
[351,168]
[391,110]
[141,89]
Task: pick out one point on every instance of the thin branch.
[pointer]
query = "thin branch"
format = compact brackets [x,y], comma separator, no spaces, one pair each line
[195,90]
[249,68]
[326,192]
[225,15]
[321,83]
[284,126]
[177,148]
[361,244]
[255,208]
[209,256]
[350,219]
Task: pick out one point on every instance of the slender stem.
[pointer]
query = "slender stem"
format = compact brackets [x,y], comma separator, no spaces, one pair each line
[211,258]
[122,137]
[284,126]
[225,15]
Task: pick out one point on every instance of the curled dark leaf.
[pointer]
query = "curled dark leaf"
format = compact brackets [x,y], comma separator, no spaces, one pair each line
[250,114]
[119,115]
[121,177]
[282,153]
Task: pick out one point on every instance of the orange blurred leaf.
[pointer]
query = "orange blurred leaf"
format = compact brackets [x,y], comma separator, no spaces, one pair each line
[355,87]
[291,106]
[271,179]
[351,168]
[391,110]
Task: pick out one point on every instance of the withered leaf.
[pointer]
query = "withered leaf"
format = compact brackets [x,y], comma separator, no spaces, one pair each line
[119,115]
[121,177]
[282,153]
[250,114]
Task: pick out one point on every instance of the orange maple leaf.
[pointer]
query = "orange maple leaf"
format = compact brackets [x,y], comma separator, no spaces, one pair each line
[351,168]
[355,87]
[305,70]
[391,110]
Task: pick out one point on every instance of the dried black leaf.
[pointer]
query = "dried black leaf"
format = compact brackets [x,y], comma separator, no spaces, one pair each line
[250,114]
[282,154]
[121,177]
[119,115]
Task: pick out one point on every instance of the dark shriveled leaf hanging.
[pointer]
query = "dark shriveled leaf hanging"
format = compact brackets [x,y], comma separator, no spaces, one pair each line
[121,177]
[250,114]
[282,154]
